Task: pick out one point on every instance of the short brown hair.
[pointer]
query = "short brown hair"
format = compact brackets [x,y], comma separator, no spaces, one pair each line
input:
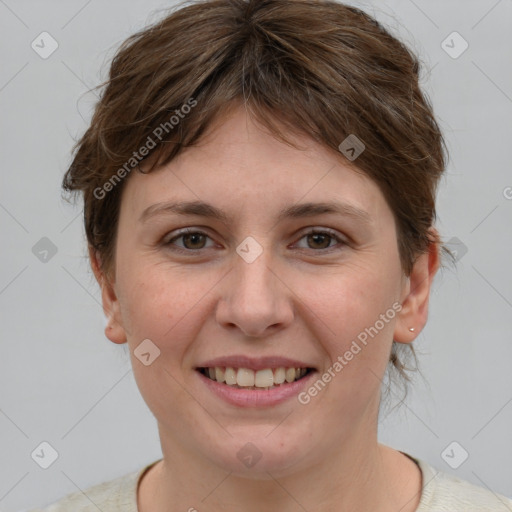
[316,67]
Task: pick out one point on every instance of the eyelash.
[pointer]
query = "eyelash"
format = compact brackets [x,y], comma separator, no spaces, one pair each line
[188,231]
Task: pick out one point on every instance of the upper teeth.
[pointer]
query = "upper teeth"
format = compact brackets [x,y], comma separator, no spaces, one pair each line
[245,377]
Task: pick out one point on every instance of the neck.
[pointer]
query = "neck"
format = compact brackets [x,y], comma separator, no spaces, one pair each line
[359,475]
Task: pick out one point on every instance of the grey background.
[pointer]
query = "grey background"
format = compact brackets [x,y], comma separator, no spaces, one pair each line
[63,382]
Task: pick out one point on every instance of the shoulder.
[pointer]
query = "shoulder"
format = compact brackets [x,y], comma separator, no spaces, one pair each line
[447,493]
[115,495]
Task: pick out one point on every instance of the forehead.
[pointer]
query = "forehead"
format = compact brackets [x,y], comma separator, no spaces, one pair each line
[238,165]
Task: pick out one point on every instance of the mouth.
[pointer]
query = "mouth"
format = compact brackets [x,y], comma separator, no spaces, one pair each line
[259,382]
[249,379]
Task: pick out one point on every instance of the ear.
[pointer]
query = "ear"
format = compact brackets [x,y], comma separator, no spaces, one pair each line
[114,329]
[416,293]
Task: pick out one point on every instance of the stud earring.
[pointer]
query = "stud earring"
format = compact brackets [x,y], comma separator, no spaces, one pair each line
[411,329]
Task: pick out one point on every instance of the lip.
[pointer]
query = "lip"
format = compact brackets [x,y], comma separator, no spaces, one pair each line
[254,363]
[254,397]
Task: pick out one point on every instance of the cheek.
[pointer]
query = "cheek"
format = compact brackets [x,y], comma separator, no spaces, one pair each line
[355,297]
[158,304]
[357,341]
[358,308]
[162,302]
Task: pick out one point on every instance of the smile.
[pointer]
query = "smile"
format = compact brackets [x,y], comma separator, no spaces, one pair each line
[246,378]
[261,387]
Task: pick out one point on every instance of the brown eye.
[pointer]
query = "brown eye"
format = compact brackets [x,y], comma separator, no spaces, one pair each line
[319,240]
[192,241]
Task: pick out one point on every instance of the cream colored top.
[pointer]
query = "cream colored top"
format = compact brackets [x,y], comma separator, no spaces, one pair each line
[441,493]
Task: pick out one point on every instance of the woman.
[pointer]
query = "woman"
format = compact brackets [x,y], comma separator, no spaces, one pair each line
[259,184]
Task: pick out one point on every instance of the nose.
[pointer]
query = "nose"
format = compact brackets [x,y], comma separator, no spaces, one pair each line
[255,298]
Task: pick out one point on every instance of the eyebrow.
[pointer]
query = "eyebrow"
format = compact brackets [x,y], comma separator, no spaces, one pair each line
[297,211]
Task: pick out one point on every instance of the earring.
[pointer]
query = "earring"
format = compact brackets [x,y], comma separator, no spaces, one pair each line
[411,329]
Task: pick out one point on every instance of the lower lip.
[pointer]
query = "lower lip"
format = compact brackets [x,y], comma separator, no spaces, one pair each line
[255,397]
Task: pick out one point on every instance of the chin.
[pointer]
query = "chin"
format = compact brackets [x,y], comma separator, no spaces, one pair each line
[260,457]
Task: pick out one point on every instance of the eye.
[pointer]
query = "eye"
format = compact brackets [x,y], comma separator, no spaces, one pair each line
[192,240]
[321,239]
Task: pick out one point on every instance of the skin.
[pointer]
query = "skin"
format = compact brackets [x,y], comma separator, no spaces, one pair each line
[301,298]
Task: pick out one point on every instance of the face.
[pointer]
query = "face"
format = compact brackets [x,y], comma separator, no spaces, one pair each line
[254,291]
